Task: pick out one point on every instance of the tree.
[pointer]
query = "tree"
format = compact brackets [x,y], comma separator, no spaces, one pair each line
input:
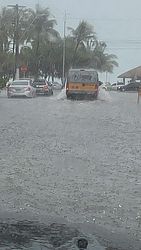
[41,46]
[41,31]
[102,61]
[6,27]
[82,35]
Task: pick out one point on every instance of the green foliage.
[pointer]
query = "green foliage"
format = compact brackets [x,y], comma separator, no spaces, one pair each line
[41,46]
[3,82]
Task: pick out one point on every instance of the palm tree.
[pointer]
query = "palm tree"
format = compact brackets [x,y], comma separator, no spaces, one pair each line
[6,17]
[6,56]
[6,64]
[50,58]
[41,30]
[109,62]
[9,30]
[82,36]
[102,61]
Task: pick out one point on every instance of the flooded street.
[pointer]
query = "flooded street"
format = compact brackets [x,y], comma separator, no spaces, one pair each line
[75,162]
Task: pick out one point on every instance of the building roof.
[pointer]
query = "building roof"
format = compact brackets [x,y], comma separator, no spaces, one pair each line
[133,73]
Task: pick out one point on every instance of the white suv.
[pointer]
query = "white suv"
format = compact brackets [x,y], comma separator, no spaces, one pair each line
[117,86]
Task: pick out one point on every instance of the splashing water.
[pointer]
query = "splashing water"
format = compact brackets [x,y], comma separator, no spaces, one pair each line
[62,95]
[104,95]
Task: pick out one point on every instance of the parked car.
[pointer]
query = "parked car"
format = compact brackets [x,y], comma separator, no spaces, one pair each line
[117,86]
[29,79]
[107,86]
[132,86]
[21,88]
[43,87]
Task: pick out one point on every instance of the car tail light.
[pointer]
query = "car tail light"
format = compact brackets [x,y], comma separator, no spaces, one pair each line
[67,86]
[28,88]
[45,87]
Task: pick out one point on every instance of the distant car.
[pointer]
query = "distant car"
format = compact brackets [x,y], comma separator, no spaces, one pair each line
[106,86]
[43,87]
[21,88]
[132,86]
[117,86]
[57,85]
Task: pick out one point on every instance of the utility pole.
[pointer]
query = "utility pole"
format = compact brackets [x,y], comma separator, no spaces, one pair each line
[17,42]
[64,49]
[16,39]
[106,76]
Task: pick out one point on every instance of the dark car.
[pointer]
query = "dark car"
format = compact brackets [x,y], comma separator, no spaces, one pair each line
[43,87]
[132,86]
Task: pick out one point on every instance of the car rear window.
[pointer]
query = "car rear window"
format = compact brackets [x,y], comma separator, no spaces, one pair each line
[40,82]
[120,83]
[22,83]
[83,76]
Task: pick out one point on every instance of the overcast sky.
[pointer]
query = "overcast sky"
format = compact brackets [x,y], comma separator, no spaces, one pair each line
[118,22]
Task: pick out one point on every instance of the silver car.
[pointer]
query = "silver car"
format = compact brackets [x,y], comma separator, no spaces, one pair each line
[21,88]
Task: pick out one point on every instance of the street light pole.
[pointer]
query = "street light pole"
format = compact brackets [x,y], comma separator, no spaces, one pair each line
[64,50]
[106,76]
[17,43]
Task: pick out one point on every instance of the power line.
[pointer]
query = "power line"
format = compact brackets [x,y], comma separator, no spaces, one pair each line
[124,48]
[103,19]
[123,41]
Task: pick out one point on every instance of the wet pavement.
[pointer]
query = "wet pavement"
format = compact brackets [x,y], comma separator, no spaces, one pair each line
[71,167]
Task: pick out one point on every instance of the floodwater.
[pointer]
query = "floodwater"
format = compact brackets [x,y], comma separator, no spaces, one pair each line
[70,169]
